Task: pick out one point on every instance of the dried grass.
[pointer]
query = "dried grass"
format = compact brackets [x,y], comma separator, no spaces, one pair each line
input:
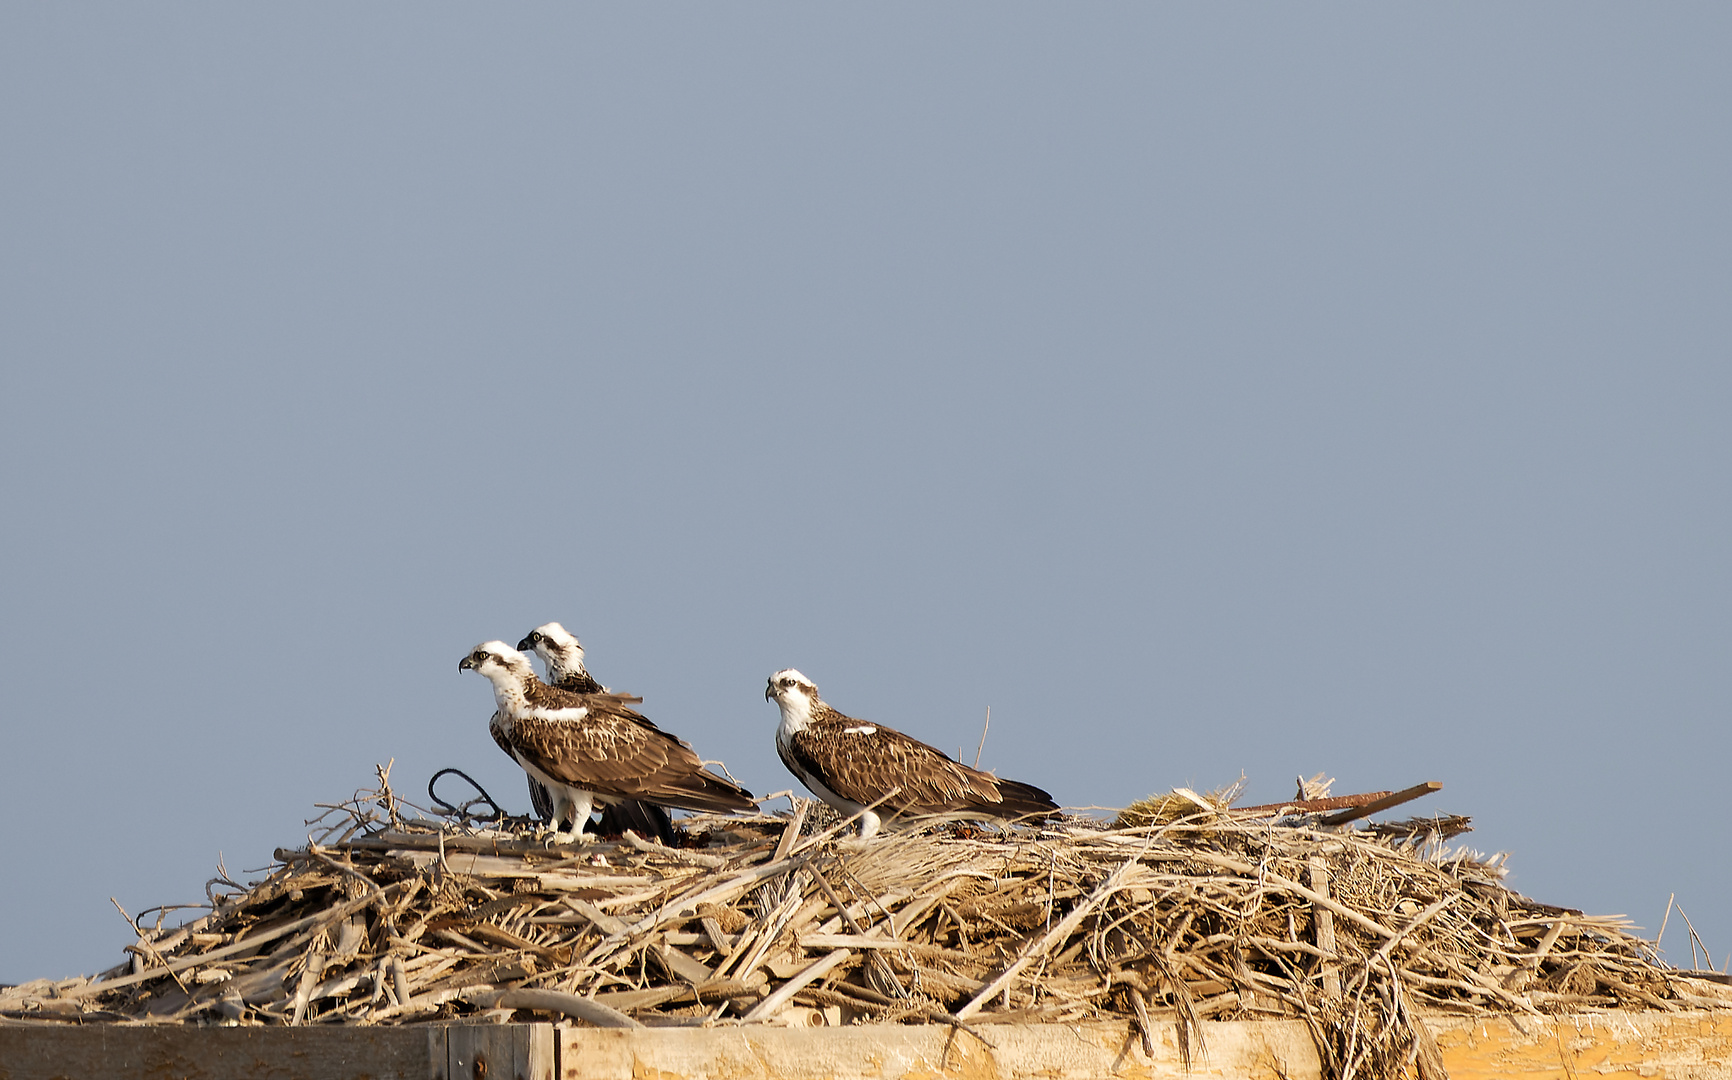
[776,918]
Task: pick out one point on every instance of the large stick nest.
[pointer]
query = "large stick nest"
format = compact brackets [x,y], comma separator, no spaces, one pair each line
[782,919]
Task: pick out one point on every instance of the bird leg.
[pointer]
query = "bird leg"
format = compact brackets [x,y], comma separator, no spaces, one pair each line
[869,823]
[575,814]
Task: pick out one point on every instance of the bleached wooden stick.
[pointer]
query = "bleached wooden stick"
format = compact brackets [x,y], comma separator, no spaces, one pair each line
[579,1008]
[771,1005]
[1058,933]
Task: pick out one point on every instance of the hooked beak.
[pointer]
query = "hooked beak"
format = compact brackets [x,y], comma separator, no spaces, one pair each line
[770,690]
[465,664]
[525,645]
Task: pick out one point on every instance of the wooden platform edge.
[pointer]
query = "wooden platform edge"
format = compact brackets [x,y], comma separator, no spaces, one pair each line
[1697,1045]
[141,1051]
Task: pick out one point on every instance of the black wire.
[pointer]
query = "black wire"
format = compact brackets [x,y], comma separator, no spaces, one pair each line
[463,809]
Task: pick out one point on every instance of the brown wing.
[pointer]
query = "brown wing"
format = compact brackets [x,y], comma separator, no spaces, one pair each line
[542,696]
[496,728]
[581,690]
[612,753]
[539,800]
[863,767]
[580,682]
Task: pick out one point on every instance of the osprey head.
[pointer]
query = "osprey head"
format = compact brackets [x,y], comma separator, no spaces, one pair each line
[788,685]
[556,646]
[496,660]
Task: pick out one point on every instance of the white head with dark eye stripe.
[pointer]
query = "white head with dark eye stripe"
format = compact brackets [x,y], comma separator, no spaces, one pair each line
[558,649]
[505,668]
[795,695]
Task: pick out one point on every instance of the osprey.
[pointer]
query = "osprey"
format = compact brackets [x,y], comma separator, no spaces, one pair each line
[562,654]
[852,764]
[592,748]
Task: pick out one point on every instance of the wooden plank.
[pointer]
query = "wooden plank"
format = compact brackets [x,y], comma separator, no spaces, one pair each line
[140,1052]
[1617,1045]
[543,1052]
[1094,1051]
[1620,1044]
[499,1052]
[1324,920]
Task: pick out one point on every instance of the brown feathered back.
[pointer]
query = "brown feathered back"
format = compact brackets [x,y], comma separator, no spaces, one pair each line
[615,751]
[860,761]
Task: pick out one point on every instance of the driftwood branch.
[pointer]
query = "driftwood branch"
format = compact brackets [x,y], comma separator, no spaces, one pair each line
[1199,914]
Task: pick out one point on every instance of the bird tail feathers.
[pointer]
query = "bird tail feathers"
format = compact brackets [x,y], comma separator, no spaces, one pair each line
[707,791]
[646,819]
[1021,799]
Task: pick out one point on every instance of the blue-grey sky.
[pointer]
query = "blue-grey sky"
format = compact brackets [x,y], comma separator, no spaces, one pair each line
[1206,389]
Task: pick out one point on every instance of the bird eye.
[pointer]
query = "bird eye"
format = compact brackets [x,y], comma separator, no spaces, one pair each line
[536,637]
